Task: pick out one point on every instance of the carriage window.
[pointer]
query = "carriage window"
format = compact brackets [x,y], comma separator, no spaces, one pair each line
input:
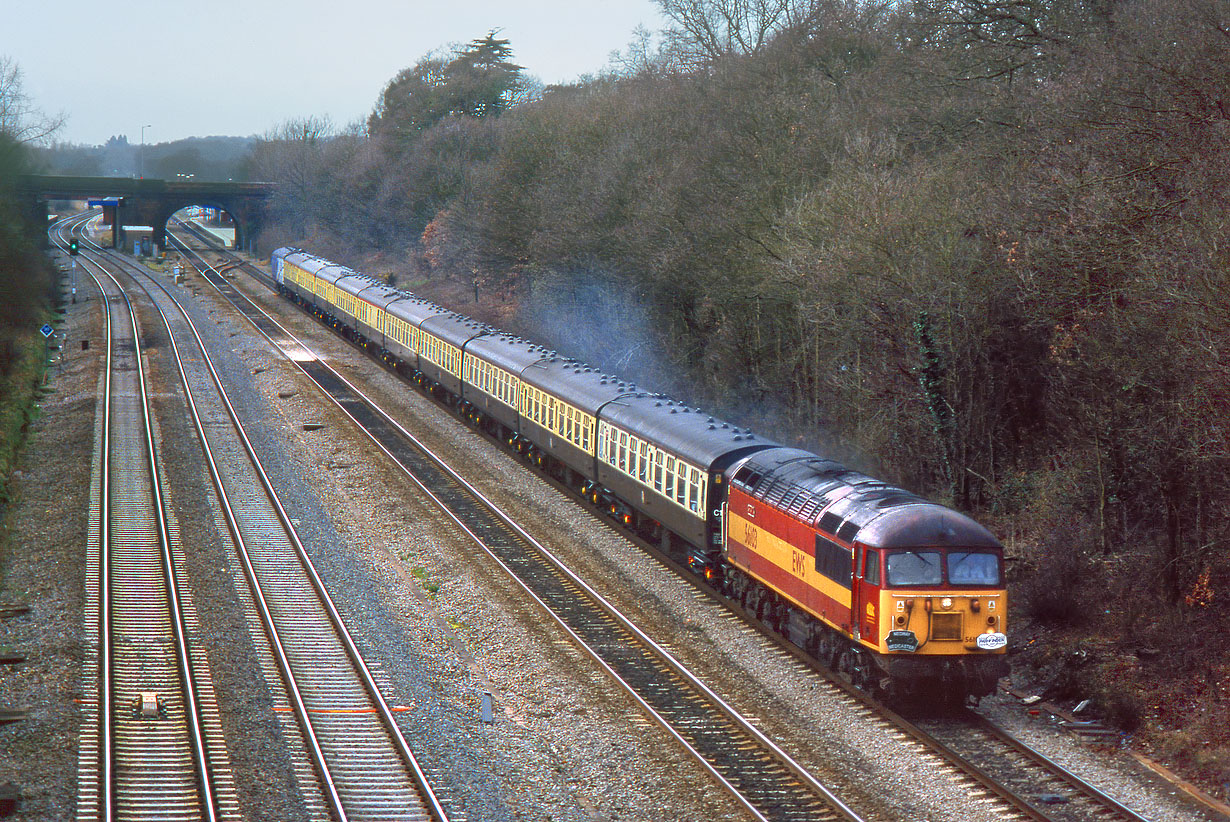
[914,568]
[971,568]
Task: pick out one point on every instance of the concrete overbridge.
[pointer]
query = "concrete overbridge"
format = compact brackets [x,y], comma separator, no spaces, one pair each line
[152,202]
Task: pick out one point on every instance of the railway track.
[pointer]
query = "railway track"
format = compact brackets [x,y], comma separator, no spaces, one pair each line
[1048,790]
[355,753]
[153,746]
[1012,780]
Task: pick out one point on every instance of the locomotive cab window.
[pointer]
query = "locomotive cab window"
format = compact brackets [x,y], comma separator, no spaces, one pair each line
[914,568]
[973,568]
[871,568]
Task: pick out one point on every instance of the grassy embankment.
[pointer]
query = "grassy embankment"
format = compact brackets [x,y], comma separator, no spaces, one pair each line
[20,387]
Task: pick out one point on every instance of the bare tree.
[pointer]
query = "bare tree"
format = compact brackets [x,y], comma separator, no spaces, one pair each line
[708,29]
[19,118]
[292,155]
[641,57]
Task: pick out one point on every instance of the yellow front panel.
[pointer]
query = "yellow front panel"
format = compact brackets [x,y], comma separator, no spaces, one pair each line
[951,613]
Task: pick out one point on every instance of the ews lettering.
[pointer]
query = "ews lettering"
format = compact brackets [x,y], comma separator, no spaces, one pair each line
[751,535]
[798,564]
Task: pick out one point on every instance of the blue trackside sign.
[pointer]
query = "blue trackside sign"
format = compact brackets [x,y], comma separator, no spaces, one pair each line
[47,330]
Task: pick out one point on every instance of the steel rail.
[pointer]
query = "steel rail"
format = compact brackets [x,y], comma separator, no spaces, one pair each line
[336,803]
[192,704]
[1105,801]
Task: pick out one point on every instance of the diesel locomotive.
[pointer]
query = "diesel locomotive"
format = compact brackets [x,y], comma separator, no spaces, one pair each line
[904,596]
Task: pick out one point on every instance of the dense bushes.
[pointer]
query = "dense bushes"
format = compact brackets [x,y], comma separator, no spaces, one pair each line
[974,246]
[26,295]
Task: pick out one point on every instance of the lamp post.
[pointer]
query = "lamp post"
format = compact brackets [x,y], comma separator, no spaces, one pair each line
[141,156]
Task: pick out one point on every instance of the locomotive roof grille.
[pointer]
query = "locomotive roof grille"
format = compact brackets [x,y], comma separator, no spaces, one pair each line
[810,508]
[848,531]
[830,522]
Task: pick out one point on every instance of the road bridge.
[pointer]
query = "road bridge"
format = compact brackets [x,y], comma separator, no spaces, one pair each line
[152,202]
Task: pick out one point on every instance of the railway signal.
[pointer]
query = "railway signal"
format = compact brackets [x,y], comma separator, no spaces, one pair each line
[72,247]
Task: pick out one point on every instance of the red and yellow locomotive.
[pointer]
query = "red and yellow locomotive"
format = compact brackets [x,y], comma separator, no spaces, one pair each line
[902,594]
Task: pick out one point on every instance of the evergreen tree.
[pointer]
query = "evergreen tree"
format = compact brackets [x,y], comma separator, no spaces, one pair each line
[479,81]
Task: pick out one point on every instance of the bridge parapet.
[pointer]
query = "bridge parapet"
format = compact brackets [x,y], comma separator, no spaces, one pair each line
[152,202]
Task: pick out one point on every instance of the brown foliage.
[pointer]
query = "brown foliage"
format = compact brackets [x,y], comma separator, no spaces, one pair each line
[765,224]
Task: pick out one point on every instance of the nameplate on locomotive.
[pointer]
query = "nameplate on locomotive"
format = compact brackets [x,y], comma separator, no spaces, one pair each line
[901,641]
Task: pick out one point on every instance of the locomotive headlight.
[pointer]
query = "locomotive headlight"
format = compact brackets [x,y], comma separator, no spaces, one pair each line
[946,603]
[975,605]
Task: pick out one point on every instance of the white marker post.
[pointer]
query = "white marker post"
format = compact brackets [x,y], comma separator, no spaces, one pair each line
[46,331]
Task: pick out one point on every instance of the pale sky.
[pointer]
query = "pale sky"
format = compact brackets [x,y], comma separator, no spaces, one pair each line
[240,67]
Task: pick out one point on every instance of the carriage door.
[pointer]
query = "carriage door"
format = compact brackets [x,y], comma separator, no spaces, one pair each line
[867,594]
